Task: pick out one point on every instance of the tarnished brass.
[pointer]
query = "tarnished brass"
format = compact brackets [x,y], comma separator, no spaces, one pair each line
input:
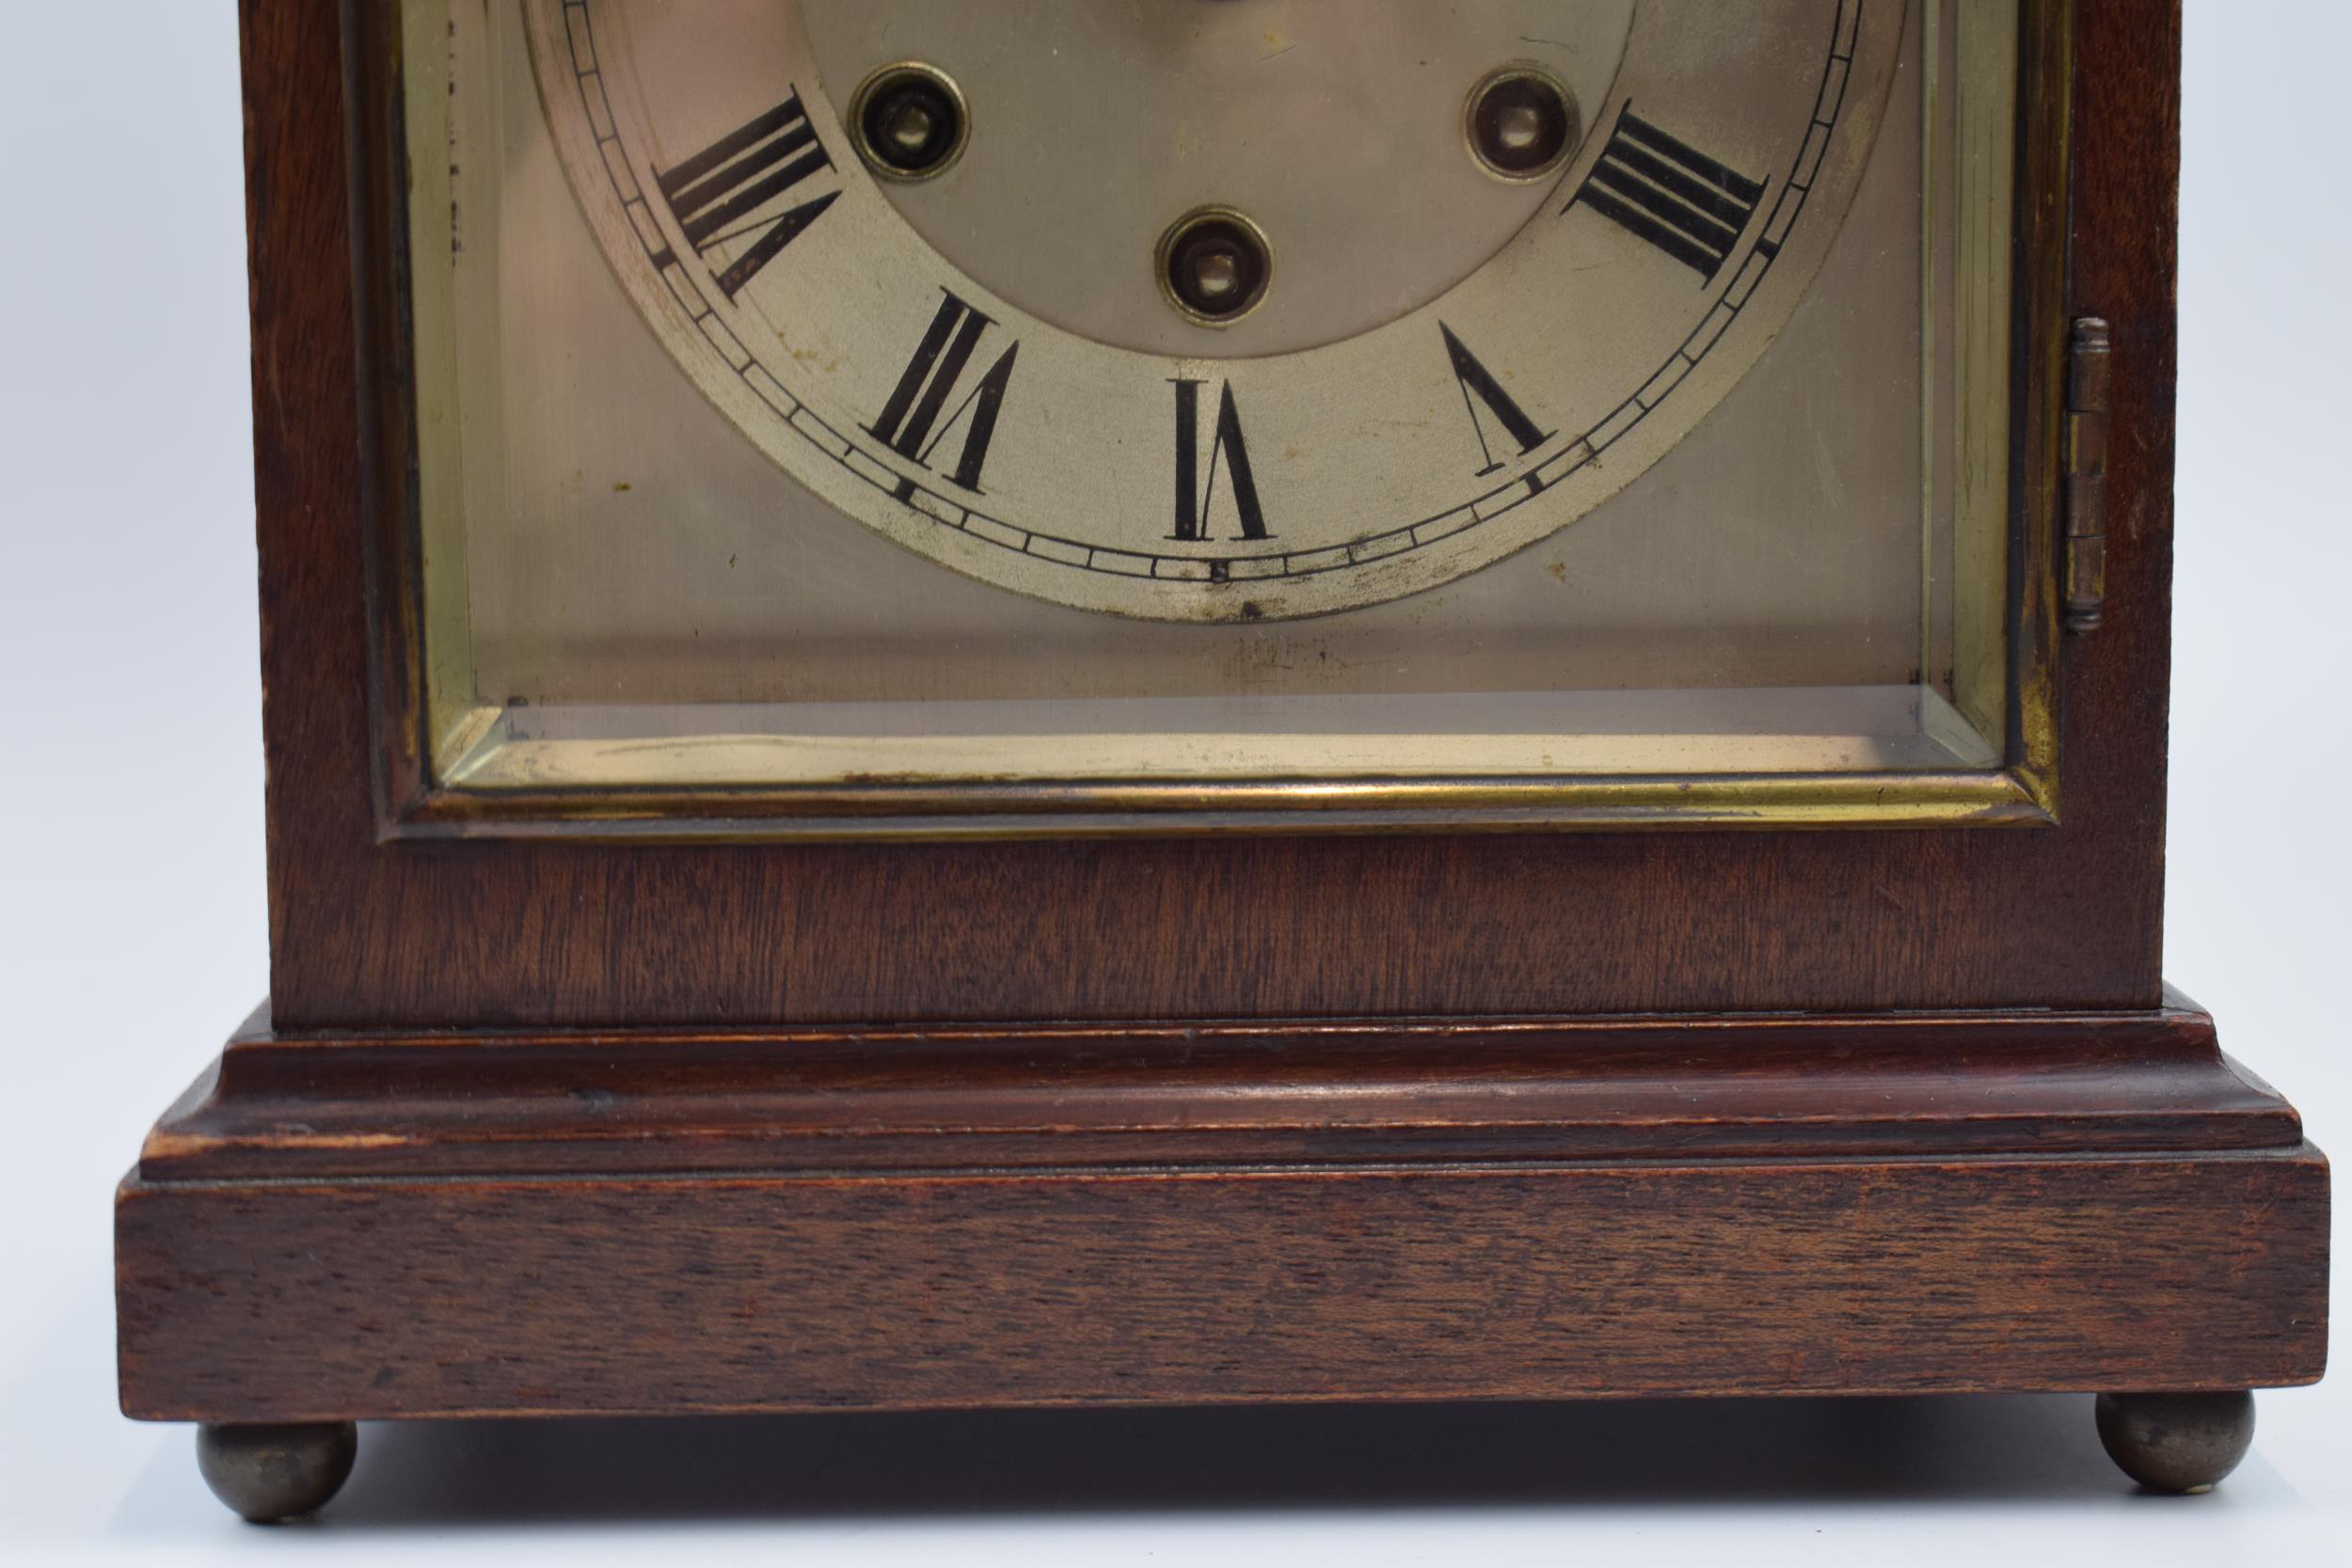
[2087,401]
[1215,266]
[2182,1443]
[910,121]
[273,1474]
[1520,123]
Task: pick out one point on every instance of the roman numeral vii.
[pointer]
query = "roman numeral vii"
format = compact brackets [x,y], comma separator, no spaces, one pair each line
[907,421]
[724,195]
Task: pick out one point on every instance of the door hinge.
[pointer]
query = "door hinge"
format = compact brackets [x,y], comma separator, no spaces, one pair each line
[2090,355]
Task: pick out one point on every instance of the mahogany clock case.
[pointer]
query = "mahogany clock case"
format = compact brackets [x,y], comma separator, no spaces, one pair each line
[555,1125]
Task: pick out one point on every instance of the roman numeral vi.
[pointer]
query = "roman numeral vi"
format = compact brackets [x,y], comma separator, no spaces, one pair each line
[906,422]
[718,194]
[1672,195]
[1194,493]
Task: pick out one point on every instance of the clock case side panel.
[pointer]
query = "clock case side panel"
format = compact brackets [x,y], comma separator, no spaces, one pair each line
[373,930]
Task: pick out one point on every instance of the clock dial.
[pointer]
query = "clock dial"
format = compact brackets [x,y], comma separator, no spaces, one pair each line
[1220,310]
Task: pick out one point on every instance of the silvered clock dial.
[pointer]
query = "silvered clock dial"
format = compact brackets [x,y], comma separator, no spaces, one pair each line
[1202,311]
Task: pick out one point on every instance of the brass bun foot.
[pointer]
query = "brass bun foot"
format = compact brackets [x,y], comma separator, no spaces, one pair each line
[2182,1443]
[271,1474]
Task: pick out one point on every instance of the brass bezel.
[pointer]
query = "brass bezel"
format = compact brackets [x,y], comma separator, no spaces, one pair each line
[864,95]
[1174,232]
[1522,71]
[417,799]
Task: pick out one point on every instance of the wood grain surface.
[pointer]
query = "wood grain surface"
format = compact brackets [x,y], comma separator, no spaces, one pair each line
[294,1301]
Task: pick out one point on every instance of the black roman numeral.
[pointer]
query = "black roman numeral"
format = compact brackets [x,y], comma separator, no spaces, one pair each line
[1672,195]
[718,194]
[907,421]
[1476,378]
[1194,493]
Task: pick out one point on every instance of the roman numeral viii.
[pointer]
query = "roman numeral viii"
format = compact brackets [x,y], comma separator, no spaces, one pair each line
[720,195]
[908,420]
[1194,491]
[1672,195]
[1475,378]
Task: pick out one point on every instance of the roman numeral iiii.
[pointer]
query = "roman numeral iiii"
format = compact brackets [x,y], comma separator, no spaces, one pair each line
[1672,195]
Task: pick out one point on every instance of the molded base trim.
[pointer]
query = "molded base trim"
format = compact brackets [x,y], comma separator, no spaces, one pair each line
[437,1226]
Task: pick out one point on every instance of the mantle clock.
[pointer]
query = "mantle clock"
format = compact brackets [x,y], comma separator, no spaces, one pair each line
[1213,702]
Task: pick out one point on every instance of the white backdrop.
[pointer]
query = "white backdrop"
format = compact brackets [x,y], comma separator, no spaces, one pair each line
[132,936]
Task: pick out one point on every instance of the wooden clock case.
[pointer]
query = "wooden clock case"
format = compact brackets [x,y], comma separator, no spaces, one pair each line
[562,1125]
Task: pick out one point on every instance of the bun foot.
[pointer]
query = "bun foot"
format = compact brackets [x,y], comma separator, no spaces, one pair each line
[271,1474]
[2177,1442]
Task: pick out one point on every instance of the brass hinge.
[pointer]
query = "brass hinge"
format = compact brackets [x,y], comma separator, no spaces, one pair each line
[2089,357]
